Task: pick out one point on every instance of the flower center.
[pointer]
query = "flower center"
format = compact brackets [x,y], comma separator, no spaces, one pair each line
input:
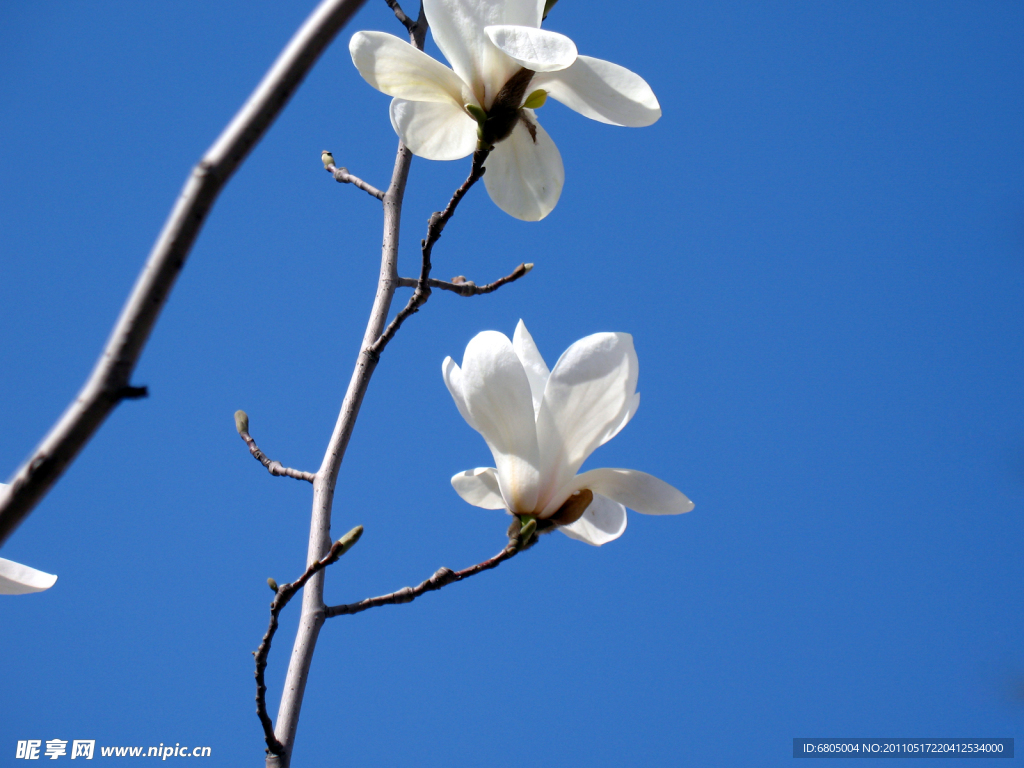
[497,123]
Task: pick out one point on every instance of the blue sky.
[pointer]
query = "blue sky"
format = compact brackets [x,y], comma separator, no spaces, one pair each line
[819,251]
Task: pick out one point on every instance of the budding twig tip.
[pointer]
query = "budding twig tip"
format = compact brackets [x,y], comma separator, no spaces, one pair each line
[242,422]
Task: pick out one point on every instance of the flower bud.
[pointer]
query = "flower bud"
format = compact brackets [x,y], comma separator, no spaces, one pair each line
[476,113]
[242,422]
[272,584]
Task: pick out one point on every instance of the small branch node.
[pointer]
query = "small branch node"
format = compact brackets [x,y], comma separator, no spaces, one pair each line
[132,393]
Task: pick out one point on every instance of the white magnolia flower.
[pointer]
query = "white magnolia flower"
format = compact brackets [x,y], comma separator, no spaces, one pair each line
[18,579]
[505,67]
[541,426]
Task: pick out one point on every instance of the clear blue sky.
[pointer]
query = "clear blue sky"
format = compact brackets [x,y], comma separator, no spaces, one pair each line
[819,250]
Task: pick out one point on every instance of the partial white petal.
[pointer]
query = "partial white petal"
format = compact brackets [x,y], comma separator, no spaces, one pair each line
[603,521]
[18,579]
[497,396]
[524,176]
[434,131]
[536,49]
[453,380]
[458,29]
[536,369]
[602,91]
[397,68]
[636,490]
[588,397]
[634,404]
[479,487]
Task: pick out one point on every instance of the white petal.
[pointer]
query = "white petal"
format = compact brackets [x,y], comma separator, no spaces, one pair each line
[479,487]
[18,579]
[453,380]
[458,30]
[603,521]
[536,369]
[397,68]
[536,49]
[602,91]
[434,131]
[636,490]
[497,396]
[589,396]
[524,177]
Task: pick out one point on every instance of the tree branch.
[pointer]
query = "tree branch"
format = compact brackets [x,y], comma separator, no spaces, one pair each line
[273,467]
[434,229]
[109,381]
[312,617]
[442,578]
[464,287]
[408,23]
[342,176]
[282,597]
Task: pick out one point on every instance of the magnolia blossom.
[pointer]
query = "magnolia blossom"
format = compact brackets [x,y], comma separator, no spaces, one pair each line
[503,68]
[541,426]
[18,579]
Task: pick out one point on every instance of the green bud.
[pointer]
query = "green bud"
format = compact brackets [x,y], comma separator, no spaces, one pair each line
[327,158]
[344,544]
[528,267]
[477,113]
[272,584]
[241,422]
[528,529]
[536,99]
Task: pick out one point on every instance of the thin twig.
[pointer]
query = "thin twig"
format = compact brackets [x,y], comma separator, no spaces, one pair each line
[434,229]
[342,176]
[274,467]
[442,578]
[408,23]
[464,287]
[284,594]
[109,382]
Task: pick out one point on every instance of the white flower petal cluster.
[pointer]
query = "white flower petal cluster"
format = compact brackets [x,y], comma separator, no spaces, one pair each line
[542,425]
[18,579]
[489,44]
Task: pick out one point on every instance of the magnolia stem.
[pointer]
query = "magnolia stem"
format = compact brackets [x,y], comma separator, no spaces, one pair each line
[464,287]
[109,382]
[342,176]
[312,616]
[441,578]
[282,596]
[274,467]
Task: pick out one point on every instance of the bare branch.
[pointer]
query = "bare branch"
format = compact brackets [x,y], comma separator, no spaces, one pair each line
[442,578]
[464,287]
[109,382]
[408,23]
[273,467]
[434,229]
[282,597]
[342,176]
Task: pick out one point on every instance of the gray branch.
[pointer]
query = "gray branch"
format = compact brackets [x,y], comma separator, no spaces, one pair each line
[282,595]
[110,380]
[312,615]
[464,287]
[275,468]
[342,176]
[441,578]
